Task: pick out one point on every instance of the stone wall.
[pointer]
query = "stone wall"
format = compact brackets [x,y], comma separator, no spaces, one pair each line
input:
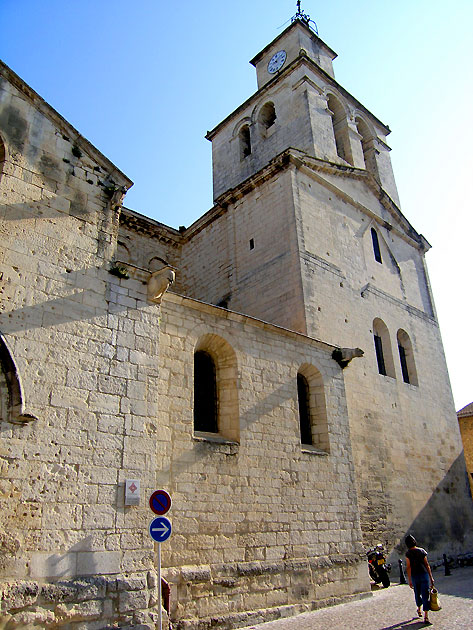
[259,521]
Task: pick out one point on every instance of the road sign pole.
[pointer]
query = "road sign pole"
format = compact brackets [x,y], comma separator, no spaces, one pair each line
[160,598]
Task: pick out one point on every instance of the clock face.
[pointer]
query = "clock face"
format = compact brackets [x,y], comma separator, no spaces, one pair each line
[277,61]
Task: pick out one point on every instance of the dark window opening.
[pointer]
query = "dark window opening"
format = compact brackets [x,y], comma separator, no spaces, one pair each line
[304,409]
[267,116]
[252,243]
[376,250]
[245,142]
[402,357]
[205,393]
[378,344]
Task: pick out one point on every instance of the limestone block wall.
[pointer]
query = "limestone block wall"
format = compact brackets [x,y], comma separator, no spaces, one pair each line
[336,217]
[409,469]
[85,345]
[408,456]
[248,256]
[259,522]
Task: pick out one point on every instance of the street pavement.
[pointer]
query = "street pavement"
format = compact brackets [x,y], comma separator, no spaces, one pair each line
[392,609]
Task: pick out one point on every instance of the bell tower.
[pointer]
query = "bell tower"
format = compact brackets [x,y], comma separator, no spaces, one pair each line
[298,105]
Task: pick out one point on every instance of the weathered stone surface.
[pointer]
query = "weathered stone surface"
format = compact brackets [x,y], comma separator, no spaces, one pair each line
[262,522]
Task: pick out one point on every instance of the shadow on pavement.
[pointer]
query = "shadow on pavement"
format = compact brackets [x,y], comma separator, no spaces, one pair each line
[459,584]
[411,624]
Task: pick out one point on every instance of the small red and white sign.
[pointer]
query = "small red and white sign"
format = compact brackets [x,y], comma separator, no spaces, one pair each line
[132,492]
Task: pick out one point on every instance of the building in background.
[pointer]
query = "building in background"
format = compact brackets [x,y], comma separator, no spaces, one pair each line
[465,420]
[277,367]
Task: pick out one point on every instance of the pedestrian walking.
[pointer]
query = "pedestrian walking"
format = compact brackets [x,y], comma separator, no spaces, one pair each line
[419,575]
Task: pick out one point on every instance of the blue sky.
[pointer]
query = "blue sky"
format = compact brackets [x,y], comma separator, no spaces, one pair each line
[144,81]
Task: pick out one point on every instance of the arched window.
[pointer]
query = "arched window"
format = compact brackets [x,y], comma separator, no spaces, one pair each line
[313,426]
[382,345]
[340,129]
[367,145]
[12,402]
[304,409]
[123,253]
[216,408]
[2,155]
[376,249]
[245,142]
[406,358]
[267,116]
[205,393]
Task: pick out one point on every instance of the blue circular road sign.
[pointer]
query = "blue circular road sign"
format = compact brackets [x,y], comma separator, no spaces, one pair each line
[160,529]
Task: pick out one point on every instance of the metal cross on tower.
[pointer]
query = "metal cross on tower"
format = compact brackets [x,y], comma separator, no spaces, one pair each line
[300,15]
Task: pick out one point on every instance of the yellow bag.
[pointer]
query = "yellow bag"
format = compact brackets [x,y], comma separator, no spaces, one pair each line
[434,599]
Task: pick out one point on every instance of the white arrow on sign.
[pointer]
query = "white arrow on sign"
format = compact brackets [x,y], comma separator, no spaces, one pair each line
[163,530]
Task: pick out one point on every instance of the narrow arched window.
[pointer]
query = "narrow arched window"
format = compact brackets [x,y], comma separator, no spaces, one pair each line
[245,142]
[304,409]
[382,345]
[378,345]
[205,393]
[267,116]
[406,358]
[340,129]
[376,249]
[367,146]
[2,155]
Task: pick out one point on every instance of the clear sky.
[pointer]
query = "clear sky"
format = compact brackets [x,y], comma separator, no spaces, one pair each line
[145,80]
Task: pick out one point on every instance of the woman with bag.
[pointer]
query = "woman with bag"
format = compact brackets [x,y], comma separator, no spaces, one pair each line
[419,574]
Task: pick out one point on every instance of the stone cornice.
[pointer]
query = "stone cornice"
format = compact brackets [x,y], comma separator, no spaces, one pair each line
[65,127]
[412,310]
[144,225]
[217,311]
[315,167]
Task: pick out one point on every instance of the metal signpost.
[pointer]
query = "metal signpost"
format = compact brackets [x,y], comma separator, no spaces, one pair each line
[160,529]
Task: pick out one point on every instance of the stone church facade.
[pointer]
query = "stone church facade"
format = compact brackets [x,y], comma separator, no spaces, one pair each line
[277,367]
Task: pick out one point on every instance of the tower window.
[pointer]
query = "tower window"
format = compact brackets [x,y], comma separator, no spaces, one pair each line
[252,243]
[245,142]
[406,358]
[205,393]
[367,146]
[267,116]
[376,249]
[340,129]
[378,344]
[383,349]
[402,357]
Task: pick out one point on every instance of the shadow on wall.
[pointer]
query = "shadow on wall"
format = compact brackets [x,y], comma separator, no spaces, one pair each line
[445,524]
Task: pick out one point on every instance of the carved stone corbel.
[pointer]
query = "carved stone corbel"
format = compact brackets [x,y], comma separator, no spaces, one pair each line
[343,356]
[159,282]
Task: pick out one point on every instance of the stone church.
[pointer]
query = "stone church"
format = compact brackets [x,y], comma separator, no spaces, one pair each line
[277,367]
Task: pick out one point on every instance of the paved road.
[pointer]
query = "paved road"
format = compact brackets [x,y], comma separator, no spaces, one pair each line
[392,609]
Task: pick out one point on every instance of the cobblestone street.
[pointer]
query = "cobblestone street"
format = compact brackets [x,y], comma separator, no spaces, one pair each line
[392,609]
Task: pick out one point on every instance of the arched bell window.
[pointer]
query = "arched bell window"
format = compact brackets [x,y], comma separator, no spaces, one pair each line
[267,116]
[340,128]
[245,142]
